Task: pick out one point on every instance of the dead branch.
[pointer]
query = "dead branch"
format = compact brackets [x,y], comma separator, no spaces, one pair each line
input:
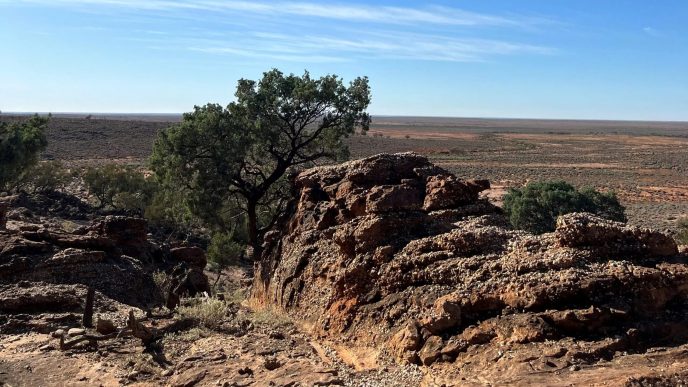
[92,339]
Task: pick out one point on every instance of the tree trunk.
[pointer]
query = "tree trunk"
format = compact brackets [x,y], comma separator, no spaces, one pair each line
[219,274]
[253,237]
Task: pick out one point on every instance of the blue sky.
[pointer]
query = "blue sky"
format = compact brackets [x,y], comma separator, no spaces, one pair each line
[489,58]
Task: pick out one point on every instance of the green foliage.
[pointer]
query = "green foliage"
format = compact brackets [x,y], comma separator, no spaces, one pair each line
[224,249]
[231,164]
[168,209]
[536,206]
[120,187]
[44,177]
[20,145]
[682,234]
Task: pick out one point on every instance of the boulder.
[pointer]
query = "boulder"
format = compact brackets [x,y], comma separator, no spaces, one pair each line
[406,342]
[444,315]
[113,255]
[125,230]
[431,351]
[446,192]
[609,237]
[27,297]
[105,326]
[394,252]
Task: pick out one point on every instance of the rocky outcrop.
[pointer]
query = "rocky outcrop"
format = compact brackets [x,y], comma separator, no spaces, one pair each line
[393,252]
[112,255]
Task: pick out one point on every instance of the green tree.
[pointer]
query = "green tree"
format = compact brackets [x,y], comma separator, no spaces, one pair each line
[233,162]
[44,177]
[536,206]
[20,145]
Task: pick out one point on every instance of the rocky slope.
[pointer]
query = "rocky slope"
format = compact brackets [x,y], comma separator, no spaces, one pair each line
[391,257]
[46,267]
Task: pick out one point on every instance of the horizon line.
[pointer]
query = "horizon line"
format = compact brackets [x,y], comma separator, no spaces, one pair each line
[105,114]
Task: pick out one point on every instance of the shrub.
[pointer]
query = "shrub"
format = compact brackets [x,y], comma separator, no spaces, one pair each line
[223,251]
[20,145]
[536,206]
[209,312]
[44,177]
[120,187]
[168,208]
[682,234]
[162,283]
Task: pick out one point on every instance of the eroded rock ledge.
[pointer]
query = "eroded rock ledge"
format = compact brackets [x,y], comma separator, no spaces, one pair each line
[393,252]
[44,268]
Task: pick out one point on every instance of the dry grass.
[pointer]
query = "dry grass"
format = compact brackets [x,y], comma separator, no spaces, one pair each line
[269,316]
[209,312]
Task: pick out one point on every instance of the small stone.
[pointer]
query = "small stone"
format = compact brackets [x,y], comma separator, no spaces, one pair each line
[105,326]
[167,372]
[47,347]
[58,333]
[190,380]
[132,375]
[272,364]
[76,332]
[246,371]
[431,350]
[574,368]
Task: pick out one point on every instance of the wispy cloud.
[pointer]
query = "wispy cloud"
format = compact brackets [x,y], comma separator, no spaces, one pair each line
[318,32]
[652,32]
[361,13]
[385,45]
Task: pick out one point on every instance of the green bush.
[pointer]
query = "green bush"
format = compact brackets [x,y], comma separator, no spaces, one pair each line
[536,206]
[44,177]
[120,187]
[223,250]
[20,144]
[682,234]
[168,209]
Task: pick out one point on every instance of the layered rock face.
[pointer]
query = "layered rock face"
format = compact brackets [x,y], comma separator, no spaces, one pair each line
[393,252]
[42,265]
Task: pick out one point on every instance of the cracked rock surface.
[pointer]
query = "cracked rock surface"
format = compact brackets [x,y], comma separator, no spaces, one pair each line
[394,255]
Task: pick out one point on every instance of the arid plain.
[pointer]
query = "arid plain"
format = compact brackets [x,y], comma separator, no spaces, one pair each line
[645,163]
